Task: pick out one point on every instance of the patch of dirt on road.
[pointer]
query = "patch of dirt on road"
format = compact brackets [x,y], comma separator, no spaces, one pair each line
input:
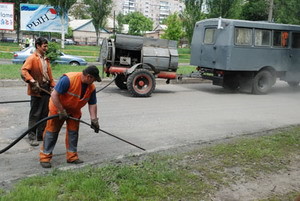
[263,187]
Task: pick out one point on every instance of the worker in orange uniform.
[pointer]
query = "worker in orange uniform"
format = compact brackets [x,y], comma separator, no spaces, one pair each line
[36,71]
[284,39]
[70,94]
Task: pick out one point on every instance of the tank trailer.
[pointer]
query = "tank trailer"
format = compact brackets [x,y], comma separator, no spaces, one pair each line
[136,61]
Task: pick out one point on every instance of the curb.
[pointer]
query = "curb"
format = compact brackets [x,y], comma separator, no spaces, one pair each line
[12,83]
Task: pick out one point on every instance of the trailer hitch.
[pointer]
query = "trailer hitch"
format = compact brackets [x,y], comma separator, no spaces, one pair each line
[193,74]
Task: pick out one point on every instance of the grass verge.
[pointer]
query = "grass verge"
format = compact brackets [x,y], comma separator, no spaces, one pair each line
[194,173]
[78,50]
[12,71]
[6,55]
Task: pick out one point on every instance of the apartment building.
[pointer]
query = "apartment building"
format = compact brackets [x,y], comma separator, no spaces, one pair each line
[157,10]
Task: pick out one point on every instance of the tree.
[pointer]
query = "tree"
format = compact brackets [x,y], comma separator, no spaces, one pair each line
[224,8]
[174,30]
[52,52]
[79,11]
[121,21]
[191,15]
[99,10]
[255,10]
[62,7]
[287,12]
[138,23]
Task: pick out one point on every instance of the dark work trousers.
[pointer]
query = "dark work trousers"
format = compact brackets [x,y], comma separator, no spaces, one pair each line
[38,110]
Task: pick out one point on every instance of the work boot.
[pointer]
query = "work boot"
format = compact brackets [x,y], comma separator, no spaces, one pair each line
[45,164]
[33,143]
[32,140]
[78,161]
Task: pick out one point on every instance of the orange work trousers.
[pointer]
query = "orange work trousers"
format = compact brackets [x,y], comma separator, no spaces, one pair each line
[50,137]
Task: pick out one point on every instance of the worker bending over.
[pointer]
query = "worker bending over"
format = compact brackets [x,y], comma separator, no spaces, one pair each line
[71,93]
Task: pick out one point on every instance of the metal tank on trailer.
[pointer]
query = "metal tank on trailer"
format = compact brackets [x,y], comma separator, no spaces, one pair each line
[136,61]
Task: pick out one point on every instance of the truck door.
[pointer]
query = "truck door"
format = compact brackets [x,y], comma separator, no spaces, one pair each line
[208,49]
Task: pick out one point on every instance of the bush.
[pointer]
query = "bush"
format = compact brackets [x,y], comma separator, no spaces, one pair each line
[53,51]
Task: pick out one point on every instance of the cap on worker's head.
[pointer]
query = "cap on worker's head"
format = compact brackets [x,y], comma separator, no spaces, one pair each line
[93,71]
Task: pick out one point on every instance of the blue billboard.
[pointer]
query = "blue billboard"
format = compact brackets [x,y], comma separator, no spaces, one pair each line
[44,18]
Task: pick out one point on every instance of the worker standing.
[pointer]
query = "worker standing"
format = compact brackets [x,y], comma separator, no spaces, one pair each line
[71,93]
[36,71]
[27,41]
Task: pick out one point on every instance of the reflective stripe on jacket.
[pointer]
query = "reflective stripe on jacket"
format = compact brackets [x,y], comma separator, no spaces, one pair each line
[71,100]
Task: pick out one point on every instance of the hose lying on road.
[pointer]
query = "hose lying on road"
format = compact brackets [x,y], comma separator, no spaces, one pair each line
[22,101]
[19,101]
[25,133]
[103,131]
[55,116]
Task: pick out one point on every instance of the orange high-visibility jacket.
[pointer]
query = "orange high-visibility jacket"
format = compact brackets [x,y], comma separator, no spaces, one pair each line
[71,100]
[32,69]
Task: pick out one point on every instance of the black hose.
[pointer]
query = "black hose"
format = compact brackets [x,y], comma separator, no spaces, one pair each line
[54,116]
[19,101]
[109,134]
[25,133]
[22,101]
[106,85]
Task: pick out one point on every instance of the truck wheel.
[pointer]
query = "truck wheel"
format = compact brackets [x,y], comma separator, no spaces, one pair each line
[293,84]
[120,81]
[141,83]
[262,82]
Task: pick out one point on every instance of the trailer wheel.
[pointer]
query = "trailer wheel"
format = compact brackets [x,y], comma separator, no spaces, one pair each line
[141,83]
[262,82]
[293,84]
[120,81]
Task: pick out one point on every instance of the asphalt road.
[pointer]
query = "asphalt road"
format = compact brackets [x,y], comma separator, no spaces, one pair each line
[176,114]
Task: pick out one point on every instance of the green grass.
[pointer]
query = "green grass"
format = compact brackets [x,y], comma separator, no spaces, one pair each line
[185,69]
[78,50]
[9,47]
[12,71]
[186,175]
[184,51]
[6,55]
